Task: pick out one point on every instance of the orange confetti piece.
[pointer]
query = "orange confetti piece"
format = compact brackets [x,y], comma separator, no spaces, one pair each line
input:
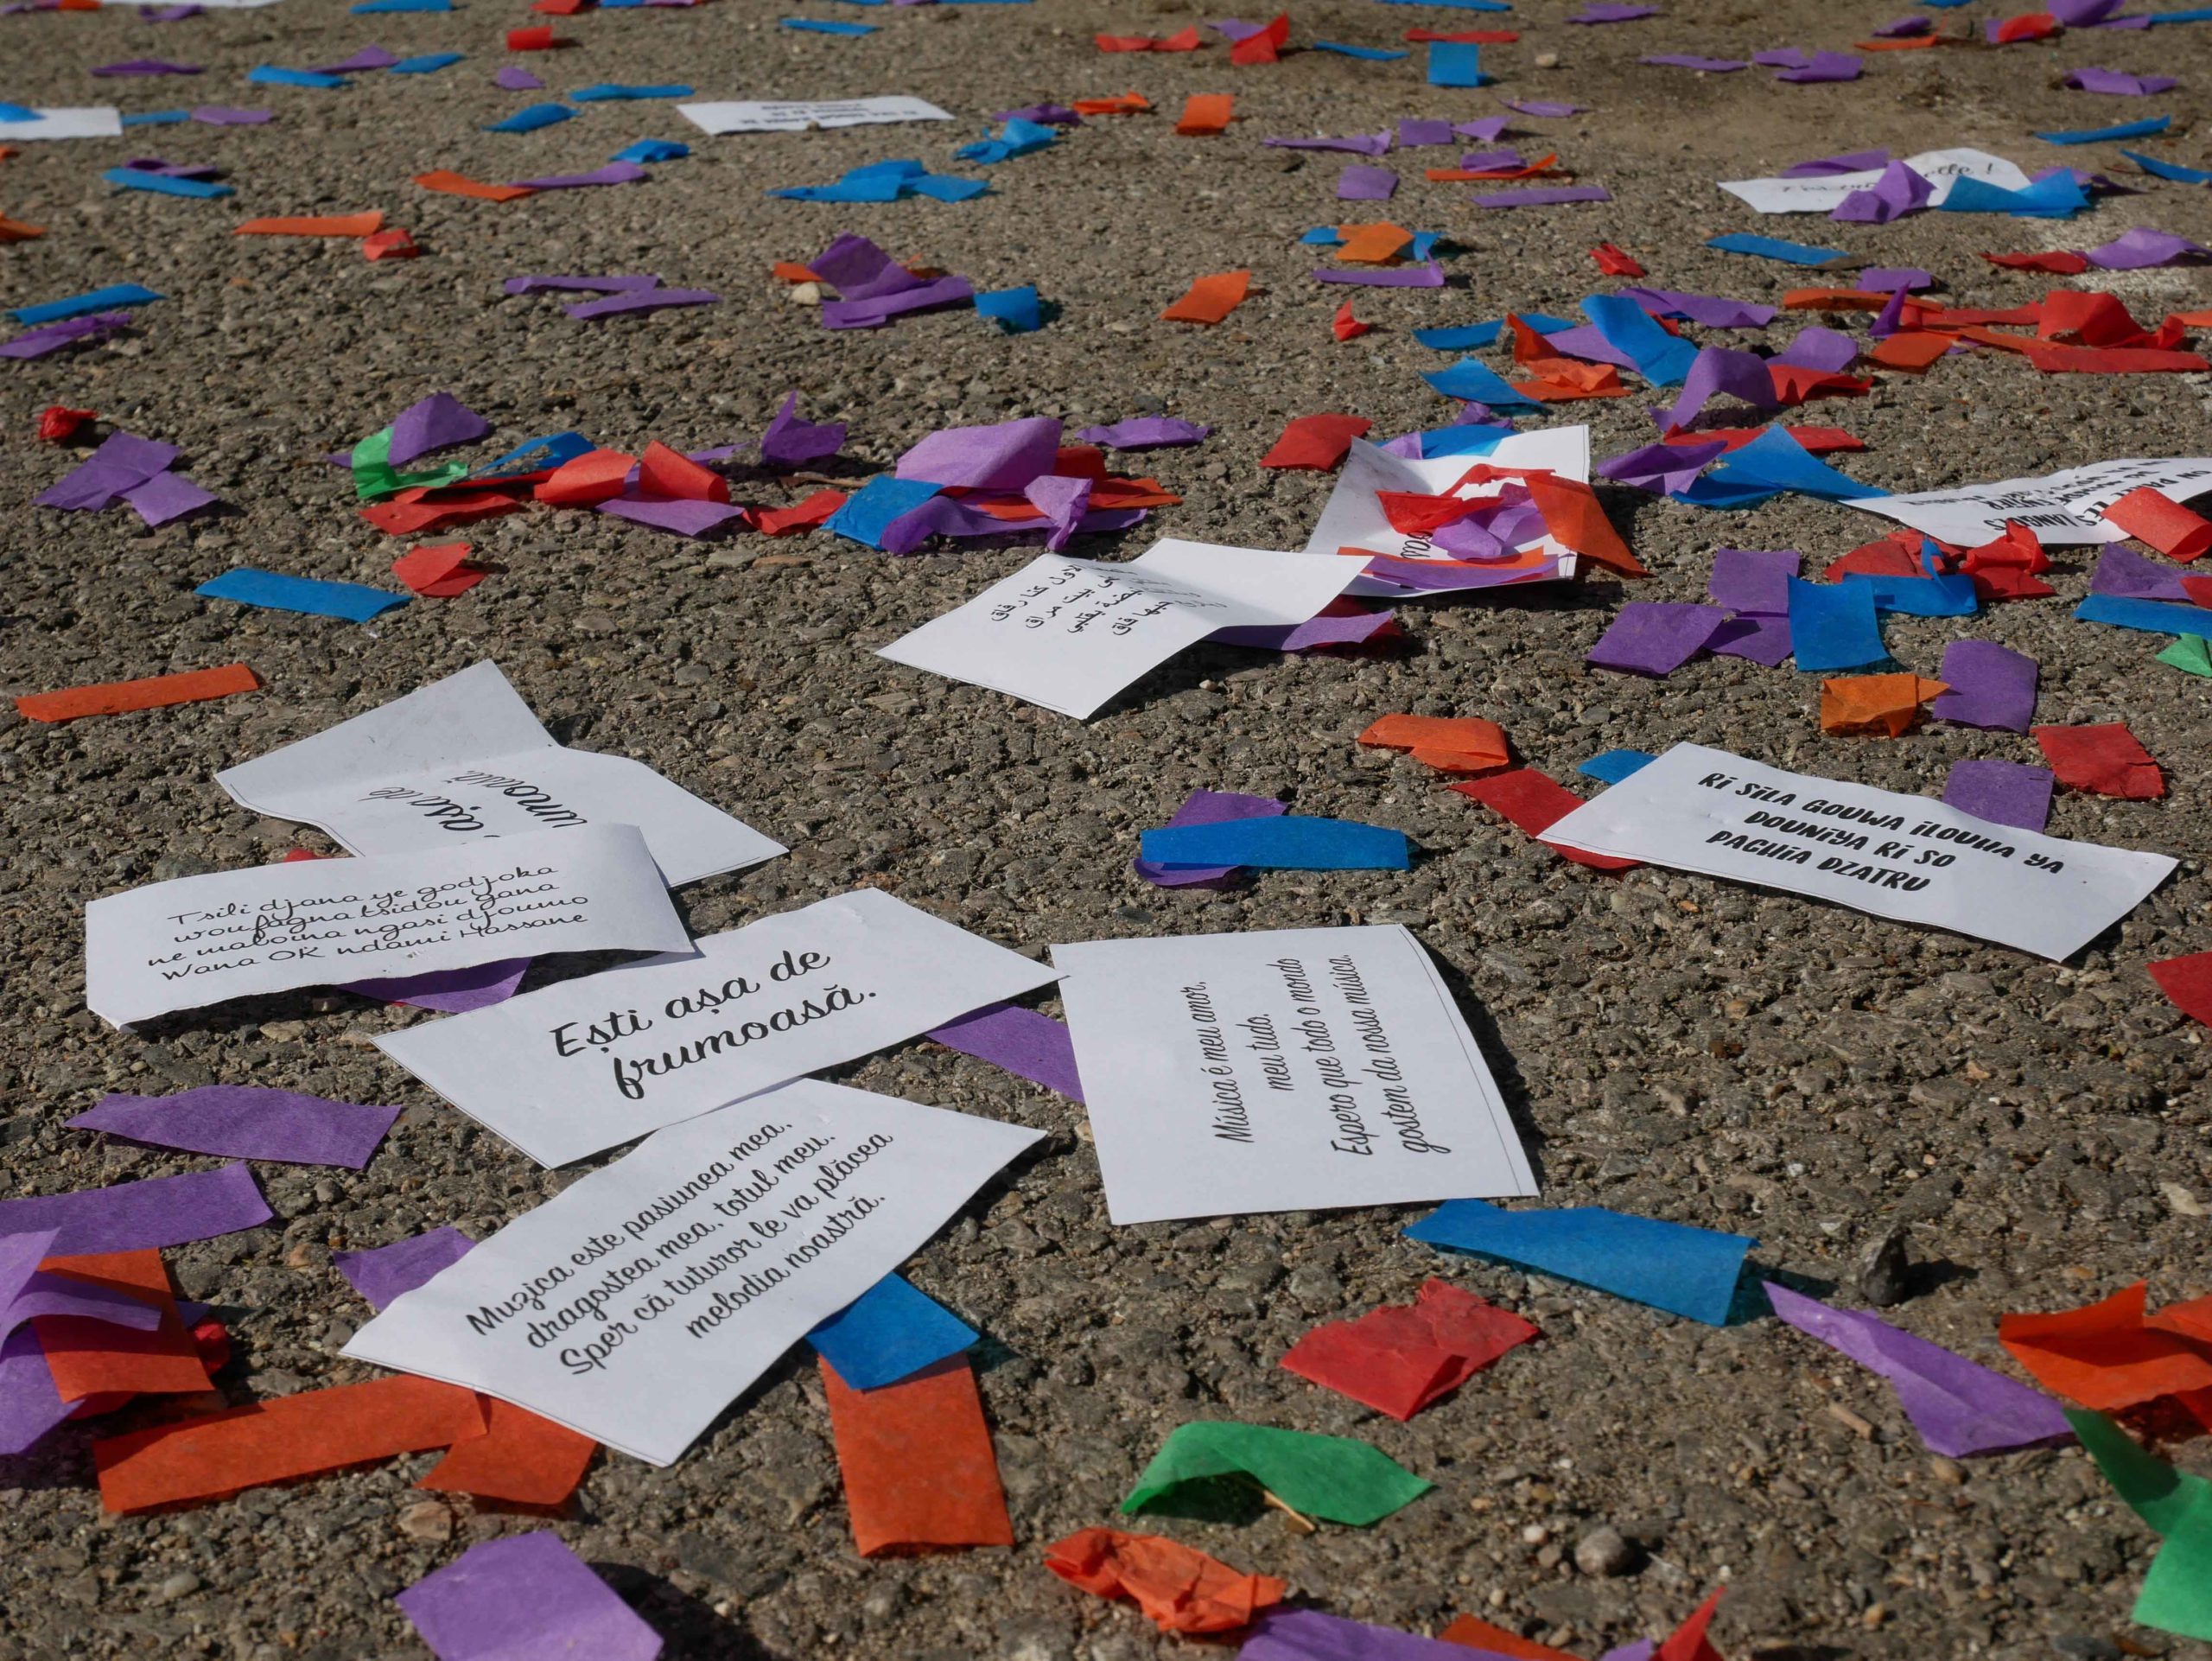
[802,516]
[1535,802]
[155,692]
[595,476]
[2105,1355]
[336,225]
[1911,350]
[275,1440]
[1613,263]
[664,472]
[389,244]
[93,1358]
[917,1462]
[1481,1635]
[1372,245]
[1266,46]
[1449,743]
[520,1459]
[1314,442]
[1875,703]
[1179,1588]
[1574,517]
[2106,760]
[1210,299]
[791,273]
[1126,104]
[2159,522]
[409,515]
[1345,326]
[17,231]
[441,572]
[538,38]
[1398,1358]
[1689,1642]
[449,183]
[1204,113]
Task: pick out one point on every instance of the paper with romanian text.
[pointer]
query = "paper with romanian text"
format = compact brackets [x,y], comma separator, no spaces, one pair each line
[1281,1070]
[798,117]
[2062,509]
[1909,857]
[1352,521]
[589,1064]
[1070,633]
[1824,195]
[464,758]
[202,939]
[643,1299]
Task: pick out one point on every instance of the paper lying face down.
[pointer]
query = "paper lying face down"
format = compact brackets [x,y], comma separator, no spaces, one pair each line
[1941,168]
[202,939]
[1070,633]
[595,1062]
[1352,521]
[798,117]
[99,122]
[1909,857]
[658,1288]
[2063,509]
[1282,1070]
[463,757]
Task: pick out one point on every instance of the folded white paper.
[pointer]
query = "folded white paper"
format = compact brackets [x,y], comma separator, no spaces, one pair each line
[1941,168]
[1352,521]
[201,939]
[644,1298]
[1909,857]
[1070,633]
[798,116]
[100,122]
[2062,509]
[464,758]
[1289,1070]
[592,1063]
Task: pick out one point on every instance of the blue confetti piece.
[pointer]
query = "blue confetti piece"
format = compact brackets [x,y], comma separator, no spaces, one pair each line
[2200,14]
[2174,170]
[1473,438]
[2098,134]
[1291,842]
[1769,464]
[157,118]
[1465,338]
[1017,311]
[1794,253]
[2151,616]
[18,113]
[268,75]
[940,186]
[1686,1271]
[1613,766]
[1834,626]
[1923,596]
[1456,63]
[80,305]
[161,184]
[1018,137]
[1370,53]
[428,64]
[1543,322]
[531,116]
[2057,197]
[868,510]
[652,149]
[1476,383]
[827,26]
[1322,236]
[538,456]
[349,601]
[609,92]
[1662,359]
[891,1332]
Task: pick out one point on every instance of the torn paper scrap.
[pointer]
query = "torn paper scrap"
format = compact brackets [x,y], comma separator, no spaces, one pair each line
[798,117]
[1827,192]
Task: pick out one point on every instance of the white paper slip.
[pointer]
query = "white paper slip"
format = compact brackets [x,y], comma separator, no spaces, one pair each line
[464,758]
[644,1298]
[202,939]
[798,115]
[1286,1070]
[99,122]
[590,1064]
[2062,509]
[1909,858]
[1352,521]
[1941,168]
[1070,633]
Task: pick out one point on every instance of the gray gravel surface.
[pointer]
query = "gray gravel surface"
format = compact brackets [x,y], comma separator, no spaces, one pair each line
[1670,1045]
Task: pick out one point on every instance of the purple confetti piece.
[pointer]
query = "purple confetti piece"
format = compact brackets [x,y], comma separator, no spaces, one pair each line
[226,115]
[2121,570]
[1350,628]
[245,1122]
[1488,131]
[1656,638]
[163,1211]
[38,342]
[1357,143]
[1718,369]
[629,284]
[642,299]
[439,421]
[1887,279]
[1755,580]
[146,67]
[2003,792]
[1686,61]
[1414,135]
[167,496]
[1207,807]
[1992,687]
[1025,1043]
[614,173]
[1821,348]
[791,442]
[1824,66]
[1758,639]
[678,514]
[875,312]
[368,58]
[514,79]
[1898,192]
[1359,184]
[1708,311]
[1827,167]
[1612,11]
[448,991]
[383,1273]
[29,1405]
[2142,248]
[1428,276]
[526,1594]
[1145,433]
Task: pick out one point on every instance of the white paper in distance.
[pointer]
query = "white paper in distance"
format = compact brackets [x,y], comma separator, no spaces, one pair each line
[589,1064]
[1281,1070]
[464,758]
[798,116]
[202,939]
[99,122]
[2062,509]
[1070,633]
[643,1299]
[1909,857]
[1824,196]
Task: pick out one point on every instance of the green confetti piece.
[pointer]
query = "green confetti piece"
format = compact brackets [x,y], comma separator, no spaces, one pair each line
[2189,653]
[374,476]
[1330,1477]
[2176,1595]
